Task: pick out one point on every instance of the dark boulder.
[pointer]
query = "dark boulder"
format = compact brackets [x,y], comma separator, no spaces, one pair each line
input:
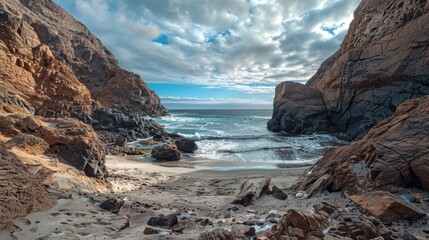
[168,221]
[186,145]
[112,204]
[121,141]
[166,153]
[278,193]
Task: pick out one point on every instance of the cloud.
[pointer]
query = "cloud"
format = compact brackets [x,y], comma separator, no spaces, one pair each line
[212,100]
[237,44]
[211,103]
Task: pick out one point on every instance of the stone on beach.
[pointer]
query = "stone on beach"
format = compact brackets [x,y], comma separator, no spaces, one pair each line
[278,193]
[166,153]
[387,207]
[186,145]
[168,221]
[112,204]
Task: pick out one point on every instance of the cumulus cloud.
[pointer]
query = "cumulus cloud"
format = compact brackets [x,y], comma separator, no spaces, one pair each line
[237,44]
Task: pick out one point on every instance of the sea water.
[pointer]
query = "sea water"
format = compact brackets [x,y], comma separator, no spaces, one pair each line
[242,136]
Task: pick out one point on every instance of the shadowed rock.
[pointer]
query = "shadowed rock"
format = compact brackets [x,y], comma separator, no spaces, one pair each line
[186,145]
[166,153]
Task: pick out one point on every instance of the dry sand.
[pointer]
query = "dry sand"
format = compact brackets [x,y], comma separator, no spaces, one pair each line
[167,188]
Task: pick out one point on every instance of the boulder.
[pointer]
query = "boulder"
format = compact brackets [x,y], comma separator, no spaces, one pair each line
[186,145]
[278,193]
[168,221]
[113,205]
[387,207]
[166,153]
[249,189]
[160,137]
[301,223]
[263,187]
[121,141]
[246,194]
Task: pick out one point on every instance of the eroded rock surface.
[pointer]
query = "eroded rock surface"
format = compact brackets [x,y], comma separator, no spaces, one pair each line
[21,191]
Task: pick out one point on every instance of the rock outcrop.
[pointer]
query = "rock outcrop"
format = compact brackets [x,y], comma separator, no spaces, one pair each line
[383,61]
[394,152]
[70,139]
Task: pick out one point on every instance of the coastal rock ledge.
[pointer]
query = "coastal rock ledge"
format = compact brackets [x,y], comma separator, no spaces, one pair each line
[383,61]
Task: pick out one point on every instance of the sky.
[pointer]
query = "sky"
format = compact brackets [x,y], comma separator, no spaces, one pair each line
[217,53]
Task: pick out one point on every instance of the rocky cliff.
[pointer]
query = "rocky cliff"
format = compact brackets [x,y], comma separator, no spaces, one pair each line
[372,89]
[383,61]
[44,22]
[57,84]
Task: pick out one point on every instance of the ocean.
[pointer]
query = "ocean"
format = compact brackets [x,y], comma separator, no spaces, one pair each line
[242,136]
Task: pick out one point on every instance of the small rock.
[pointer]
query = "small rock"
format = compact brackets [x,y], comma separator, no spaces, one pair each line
[150,231]
[163,221]
[278,193]
[112,204]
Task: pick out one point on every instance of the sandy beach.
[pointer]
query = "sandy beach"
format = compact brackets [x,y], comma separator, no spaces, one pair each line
[151,189]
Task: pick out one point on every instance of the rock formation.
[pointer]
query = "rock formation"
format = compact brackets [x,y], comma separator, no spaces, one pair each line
[394,152]
[383,61]
[44,22]
[56,80]
[73,141]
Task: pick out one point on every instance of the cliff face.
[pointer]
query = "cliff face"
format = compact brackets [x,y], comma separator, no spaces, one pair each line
[56,78]
[383,61]
[373,88]
[44,22]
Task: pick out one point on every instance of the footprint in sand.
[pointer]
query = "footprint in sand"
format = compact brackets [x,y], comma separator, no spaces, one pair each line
[55,214]
[80,214]
[24,221]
